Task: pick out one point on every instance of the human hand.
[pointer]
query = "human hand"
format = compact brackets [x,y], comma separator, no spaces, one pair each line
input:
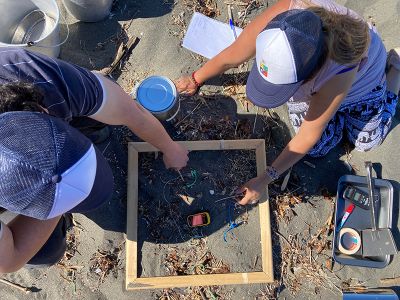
[176,157]
[185,85]
[253,189]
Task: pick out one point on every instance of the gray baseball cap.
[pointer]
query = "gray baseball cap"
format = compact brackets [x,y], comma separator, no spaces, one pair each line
[47,167]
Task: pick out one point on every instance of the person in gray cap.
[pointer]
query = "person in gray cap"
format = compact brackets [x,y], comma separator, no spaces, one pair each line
[328,66]
[48,168]
[44,174]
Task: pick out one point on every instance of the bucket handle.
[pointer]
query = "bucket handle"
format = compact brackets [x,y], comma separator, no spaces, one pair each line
[134,90]
[174,115]
[31,43]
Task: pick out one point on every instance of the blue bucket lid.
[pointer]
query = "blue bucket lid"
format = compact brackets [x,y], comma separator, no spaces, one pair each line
[156,93]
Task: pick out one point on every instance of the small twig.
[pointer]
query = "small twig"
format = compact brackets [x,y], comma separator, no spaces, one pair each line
[230,12]
[255,120]
[165,185]
[295,190]
[309,164]
[167,295]
[203,296]
[391,281]
[237,124]
[123,51]
[282,236]
[255,262]
[274,118]
[17,286]
[106,147]
[63,265]
[229,197]
[286,180]
[236,3]
[180,174]
[197,106]
[246,12]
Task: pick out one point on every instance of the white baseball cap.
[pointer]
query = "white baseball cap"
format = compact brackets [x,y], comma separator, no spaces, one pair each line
[287,52]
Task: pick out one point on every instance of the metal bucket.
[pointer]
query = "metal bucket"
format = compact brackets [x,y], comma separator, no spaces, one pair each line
[158,95]
[88,10]
[33,24]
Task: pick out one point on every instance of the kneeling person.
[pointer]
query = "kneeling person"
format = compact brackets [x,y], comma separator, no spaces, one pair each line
[31,81]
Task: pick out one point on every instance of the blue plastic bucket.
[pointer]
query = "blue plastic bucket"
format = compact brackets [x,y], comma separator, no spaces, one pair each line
[158,95]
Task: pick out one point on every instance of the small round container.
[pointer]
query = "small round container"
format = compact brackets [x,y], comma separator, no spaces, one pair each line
[349,241]
[158,95]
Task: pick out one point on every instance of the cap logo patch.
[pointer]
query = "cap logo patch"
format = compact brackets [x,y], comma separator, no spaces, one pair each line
[264,69]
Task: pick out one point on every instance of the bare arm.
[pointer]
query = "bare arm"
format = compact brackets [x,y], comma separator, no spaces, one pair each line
[324,104]
[121,109]
[22,238]
[240,51]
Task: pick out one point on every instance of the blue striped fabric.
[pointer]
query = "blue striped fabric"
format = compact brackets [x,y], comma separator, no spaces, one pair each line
[69,90]
[346,70]
[365,123]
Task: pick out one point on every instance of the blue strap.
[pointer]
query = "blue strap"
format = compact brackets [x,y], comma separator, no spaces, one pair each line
[194,176]
[346,70]
[232,224]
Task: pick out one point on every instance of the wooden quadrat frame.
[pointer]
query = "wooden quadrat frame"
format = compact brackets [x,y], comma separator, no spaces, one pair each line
[133,282]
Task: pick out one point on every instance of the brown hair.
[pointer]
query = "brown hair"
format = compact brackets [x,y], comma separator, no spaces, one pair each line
[346,38]
[20,96]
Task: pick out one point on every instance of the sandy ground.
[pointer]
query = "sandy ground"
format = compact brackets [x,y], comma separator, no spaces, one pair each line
[157,23]
[164,232]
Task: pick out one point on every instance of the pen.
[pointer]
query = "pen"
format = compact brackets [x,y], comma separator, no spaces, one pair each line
[231,22]
[233,28]
[349,210]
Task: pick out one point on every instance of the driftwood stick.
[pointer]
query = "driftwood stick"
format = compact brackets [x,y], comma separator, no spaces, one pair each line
[16,286]
[391,281]
[123,51]
[203,296]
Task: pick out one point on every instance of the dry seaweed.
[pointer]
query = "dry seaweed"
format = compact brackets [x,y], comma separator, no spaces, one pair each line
[196,293]
[283,206]
[206,7]
[195,259]
[72,243]
[212,128]
[104,262]
[299,266]
[319,241]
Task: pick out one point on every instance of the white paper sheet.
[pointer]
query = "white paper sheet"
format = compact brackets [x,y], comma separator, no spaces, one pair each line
[208,37]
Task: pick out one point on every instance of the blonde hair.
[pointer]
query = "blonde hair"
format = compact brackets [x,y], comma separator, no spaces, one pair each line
[346,38]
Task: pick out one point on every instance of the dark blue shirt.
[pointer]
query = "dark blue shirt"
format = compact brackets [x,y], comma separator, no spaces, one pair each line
[69,90]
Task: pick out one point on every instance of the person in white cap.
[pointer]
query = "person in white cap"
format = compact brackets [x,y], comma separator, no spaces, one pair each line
[327,64]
